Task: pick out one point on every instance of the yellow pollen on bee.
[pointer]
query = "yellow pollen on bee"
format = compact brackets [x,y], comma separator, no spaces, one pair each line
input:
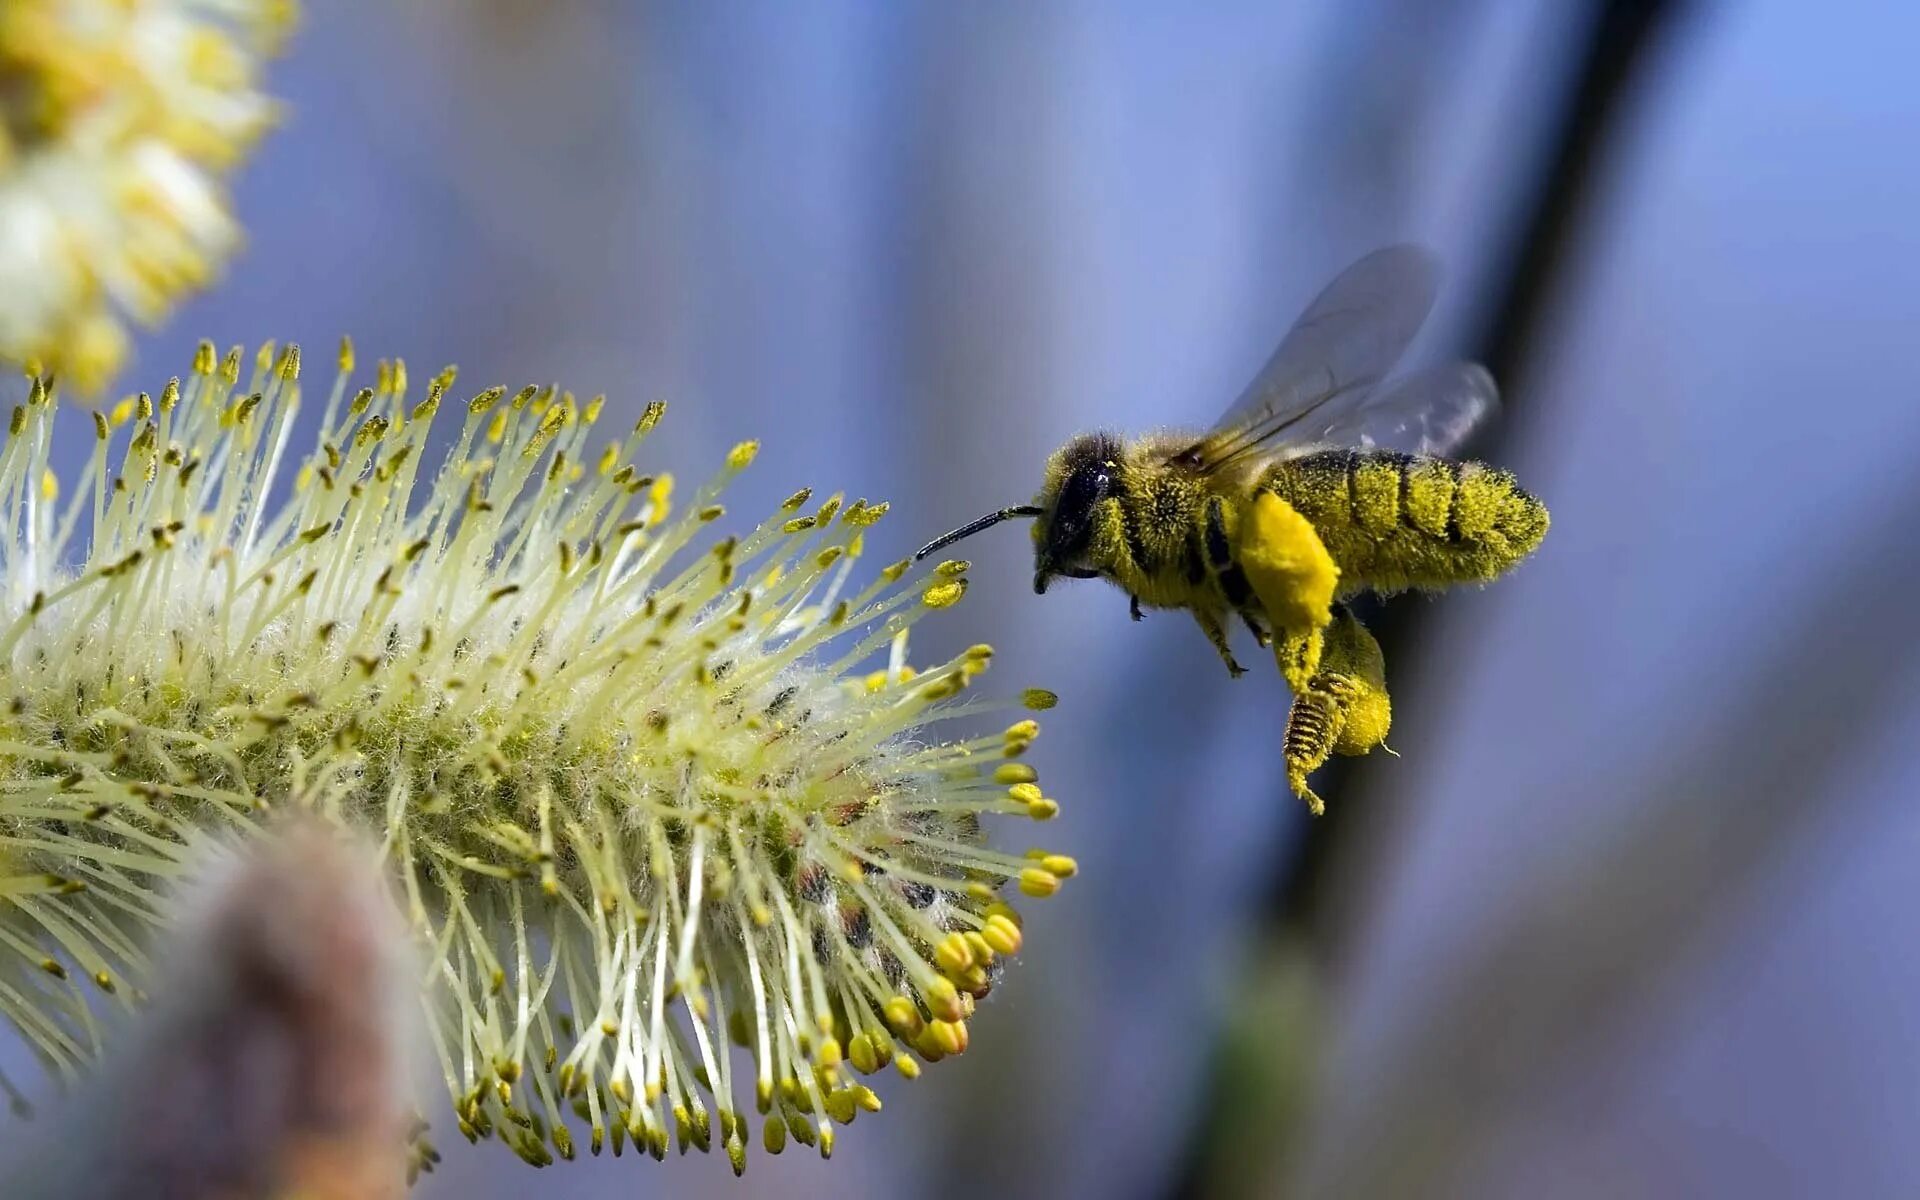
[1287,565]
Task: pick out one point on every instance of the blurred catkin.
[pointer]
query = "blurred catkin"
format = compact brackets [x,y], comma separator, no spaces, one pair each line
[273,1065]
[118,124]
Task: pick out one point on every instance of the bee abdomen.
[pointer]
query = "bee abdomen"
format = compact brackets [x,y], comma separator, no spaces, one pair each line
[1394,521]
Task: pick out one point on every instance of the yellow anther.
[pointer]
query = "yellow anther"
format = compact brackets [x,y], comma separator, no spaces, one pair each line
[1039,882]
[902,1016]
[863,515]
[1038,699]
[659,499]
[945,594]
[943,999]
[1010,773]
[1002,934]
[945,689]
[982,949]
[1061,865]
[953,955]
[840,1105]
[928,1045]
[864,1055]
[951,1036]
[371,432]
[741,456]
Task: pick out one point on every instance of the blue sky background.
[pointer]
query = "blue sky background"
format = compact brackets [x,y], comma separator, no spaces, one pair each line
[913,248]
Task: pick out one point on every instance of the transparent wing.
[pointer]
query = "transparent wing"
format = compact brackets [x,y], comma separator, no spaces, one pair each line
[1342,346]
[1428,412]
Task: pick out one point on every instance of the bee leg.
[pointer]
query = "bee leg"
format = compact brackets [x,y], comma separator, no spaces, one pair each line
[1133,604]
[1298,656]
[1216,631]
[1313,725]
[1261,635]
[1343,708]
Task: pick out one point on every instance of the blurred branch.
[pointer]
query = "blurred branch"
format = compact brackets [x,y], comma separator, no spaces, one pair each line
[1581,956]
[1311,898]
[271,1063]
[1265,1066]
[1625,33]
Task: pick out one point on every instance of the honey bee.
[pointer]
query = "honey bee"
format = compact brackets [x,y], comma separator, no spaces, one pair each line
[1323,481]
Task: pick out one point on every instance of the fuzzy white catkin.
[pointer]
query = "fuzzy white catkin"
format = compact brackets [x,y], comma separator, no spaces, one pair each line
[636,792]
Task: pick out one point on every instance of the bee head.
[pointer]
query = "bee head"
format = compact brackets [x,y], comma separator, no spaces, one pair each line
[1079,478]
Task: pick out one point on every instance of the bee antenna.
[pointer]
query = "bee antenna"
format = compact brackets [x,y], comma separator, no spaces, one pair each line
[973,527]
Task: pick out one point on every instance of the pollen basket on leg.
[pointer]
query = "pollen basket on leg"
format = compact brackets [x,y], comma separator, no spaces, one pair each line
[641,798]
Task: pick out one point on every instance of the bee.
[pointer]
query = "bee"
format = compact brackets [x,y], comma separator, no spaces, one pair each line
[1325,480]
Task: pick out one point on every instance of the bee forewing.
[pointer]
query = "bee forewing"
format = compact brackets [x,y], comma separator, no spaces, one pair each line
[1428,412]
[1344,344]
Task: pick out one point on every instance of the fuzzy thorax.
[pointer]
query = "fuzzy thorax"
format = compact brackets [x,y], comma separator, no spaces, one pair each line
[635,793]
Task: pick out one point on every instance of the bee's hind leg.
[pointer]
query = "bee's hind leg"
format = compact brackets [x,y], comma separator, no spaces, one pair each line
[1133,606]
[1261,634]
[1342,709]
[1216,631]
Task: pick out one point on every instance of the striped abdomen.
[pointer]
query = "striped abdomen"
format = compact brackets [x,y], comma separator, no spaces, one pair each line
[1394,521]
